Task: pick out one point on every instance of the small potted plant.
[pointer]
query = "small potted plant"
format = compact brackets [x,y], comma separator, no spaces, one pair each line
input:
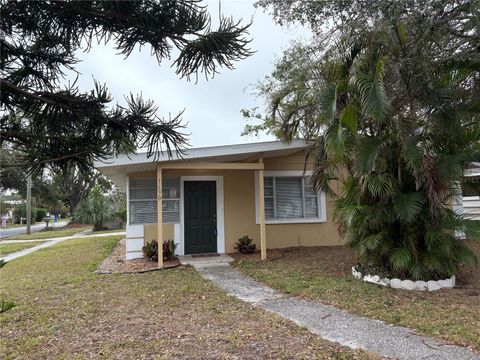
[245,245]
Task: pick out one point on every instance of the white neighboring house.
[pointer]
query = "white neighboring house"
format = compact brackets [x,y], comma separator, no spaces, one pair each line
[470,199]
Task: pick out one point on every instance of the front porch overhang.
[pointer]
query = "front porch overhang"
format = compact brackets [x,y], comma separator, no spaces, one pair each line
[258,167]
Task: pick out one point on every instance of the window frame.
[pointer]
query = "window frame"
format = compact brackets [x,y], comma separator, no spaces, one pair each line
[321,200]
[130,200]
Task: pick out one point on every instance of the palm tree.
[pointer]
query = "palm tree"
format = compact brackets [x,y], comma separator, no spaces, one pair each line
[397,124]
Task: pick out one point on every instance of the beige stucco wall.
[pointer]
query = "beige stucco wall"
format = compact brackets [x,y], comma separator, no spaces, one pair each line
[239,209]
[150,232]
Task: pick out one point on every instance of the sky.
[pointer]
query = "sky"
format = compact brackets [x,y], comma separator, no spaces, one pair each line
[212,108]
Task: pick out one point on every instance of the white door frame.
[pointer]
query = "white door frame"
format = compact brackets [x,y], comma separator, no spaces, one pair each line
[220,211]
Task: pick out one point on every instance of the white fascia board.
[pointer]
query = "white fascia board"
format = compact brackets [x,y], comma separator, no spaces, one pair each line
[204,152]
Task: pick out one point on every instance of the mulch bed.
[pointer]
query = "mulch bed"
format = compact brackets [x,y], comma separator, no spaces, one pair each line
[338,259]
[116,263]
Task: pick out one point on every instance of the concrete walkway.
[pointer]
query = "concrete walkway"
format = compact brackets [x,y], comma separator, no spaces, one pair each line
[50,242]
[331,323]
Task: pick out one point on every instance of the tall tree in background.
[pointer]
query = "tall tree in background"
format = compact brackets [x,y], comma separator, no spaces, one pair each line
[51,189]
[65,128]
[389,94]
[73,186]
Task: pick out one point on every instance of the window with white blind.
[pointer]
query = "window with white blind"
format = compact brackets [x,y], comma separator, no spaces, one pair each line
[289,197]
[143,200]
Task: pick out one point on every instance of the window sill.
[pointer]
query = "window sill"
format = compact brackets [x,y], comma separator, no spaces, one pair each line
[294,221]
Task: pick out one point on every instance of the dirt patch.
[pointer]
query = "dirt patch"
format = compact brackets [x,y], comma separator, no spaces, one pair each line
[116,263]
[338,261]
[334,260]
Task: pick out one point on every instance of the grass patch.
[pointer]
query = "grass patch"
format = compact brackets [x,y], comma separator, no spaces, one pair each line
[65,310]
[46,234]
[324,274]
[6,249]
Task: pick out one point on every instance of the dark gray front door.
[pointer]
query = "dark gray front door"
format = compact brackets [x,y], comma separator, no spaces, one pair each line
[200,209]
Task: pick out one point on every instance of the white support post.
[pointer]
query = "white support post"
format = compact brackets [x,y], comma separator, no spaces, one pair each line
[159,217]
[261,203]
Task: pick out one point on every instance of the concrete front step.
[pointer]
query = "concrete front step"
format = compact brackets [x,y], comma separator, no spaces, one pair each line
[205,261]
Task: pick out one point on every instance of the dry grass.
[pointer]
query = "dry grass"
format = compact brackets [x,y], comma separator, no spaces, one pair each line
[65,310]
[324,274]
[6,249]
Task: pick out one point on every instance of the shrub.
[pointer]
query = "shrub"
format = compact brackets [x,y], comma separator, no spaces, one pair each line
[20,211]
[245,245]
[41,213]
[150,250]
[96,209]
[169,249]
[122,215]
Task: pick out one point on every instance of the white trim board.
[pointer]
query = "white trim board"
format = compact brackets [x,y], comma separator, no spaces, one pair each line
[322,203]
[127,190]
[220,211]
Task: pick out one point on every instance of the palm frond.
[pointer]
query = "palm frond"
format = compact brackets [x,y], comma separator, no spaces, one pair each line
[368,150]
[412,153]
[373,241]
[408,205]
[349,118]
[334,141]
[378,185]
[401,259]
[372,91]
[328,102]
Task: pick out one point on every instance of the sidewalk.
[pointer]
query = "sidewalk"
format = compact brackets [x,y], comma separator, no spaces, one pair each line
[333,324]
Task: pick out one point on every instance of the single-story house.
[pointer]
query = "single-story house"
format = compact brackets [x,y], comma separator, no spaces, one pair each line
[212,196]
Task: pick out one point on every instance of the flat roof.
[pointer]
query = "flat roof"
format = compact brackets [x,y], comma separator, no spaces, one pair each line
[117,167]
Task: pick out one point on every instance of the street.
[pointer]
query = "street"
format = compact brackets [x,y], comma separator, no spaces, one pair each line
[23,229]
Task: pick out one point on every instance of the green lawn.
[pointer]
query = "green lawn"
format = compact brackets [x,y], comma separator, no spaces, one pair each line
[324,274]
[6,249]
[55,232]
[65,310]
